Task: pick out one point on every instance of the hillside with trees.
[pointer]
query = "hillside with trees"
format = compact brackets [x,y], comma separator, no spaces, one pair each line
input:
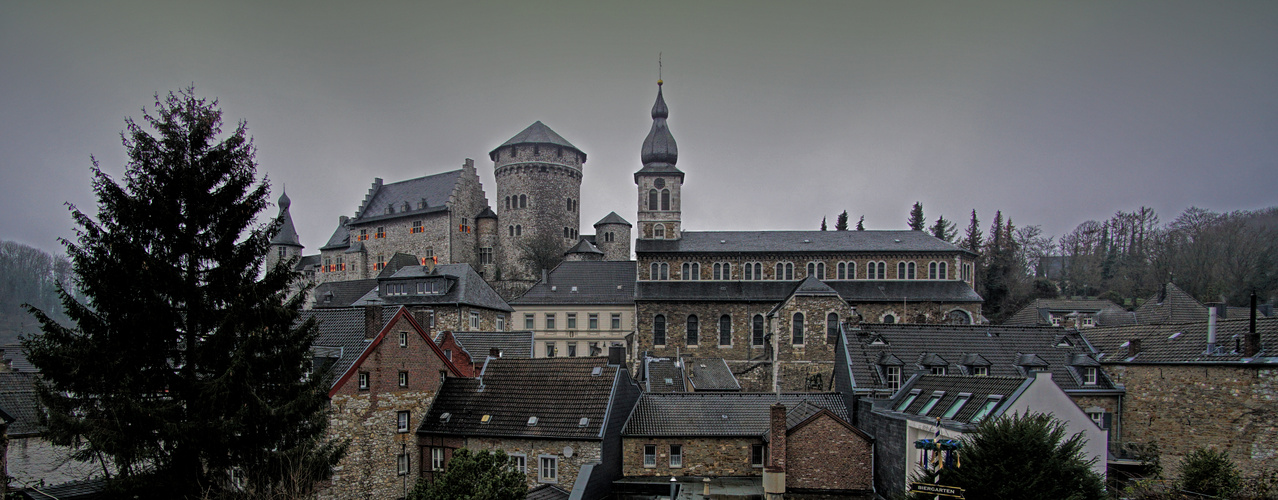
[29,276]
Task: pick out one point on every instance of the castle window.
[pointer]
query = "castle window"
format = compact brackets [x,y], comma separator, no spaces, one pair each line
[511,230]
[381,232]
[797,331]
[942,273]
[725,330]
[785,270]
[566,232]
[381,262]
[568,207]
[406,207]
[659,231]
[652,199]
[519,230]
[659,329]
[559,153]
[363,234]
[341,263]
[693,330]
[464,227]
[523,201]
[900,270]
[512,151]
[485,255]
[507,203]
[417,226]
[328,264]
[756,336]
[665,199]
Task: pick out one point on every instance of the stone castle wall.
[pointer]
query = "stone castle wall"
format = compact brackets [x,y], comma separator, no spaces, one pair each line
[1183,407]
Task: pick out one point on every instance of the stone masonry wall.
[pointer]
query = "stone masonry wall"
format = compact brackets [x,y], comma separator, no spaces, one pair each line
[825,454]
[1184,407]
[583,452]
[702,456]
[800,261]
[549,177]
[1110,405]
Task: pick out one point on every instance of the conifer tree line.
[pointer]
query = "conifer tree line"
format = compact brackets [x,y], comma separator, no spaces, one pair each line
[29,275]
[1126,258]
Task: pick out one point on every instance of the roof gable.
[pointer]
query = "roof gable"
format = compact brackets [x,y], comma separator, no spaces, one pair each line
[400,315]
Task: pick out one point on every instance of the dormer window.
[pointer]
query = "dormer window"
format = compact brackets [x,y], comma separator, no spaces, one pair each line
[893,376]
[981,371]
[1089,375]
[939,370]
[390,209]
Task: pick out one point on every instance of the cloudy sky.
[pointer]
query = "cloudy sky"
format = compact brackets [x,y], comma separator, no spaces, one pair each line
[784,112]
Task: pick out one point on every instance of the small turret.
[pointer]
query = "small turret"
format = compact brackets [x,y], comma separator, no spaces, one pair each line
[285,244]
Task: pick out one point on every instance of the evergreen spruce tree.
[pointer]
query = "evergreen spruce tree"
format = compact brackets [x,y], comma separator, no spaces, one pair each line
[823,223]
[917,222]
[860,224]
[1024,456]
[973,240]
[841,223]
[943,229]
[184,362]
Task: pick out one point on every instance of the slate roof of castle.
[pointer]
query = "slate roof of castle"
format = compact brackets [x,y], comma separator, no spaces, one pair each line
[1039,311]
[436,189]
[287,234]
[613,218]
[307,261]
[341,238]
[16,359]
[466,287]
[537,133]
[772,242]
[1003,347]
[597,282]
[718,414]
[342,293]
[90,489]
[19,400]
[710,374]
[1185,342]
[858,291]
[398,261]
[517,344]
[558,391]
[979,390]
[584,246]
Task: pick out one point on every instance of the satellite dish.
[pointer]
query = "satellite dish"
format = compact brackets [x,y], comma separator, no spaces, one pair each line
[567,452]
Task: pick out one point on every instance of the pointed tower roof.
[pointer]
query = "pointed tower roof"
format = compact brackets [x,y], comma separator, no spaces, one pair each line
[584,246]
[538,133]
[287,234]
[659,153]
[612,218]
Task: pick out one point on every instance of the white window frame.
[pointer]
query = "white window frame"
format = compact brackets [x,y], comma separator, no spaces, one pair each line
[1098,418]
[474,320]
[592,321]
[981,371]
[548,469]
[403,379]
[893,375]
[519,462]
[403,339]
[403,419]
[676,459]
[402,463]
[501,322]
[436,459]
[1090,375]
[649,456]
[363,379]
[616,321]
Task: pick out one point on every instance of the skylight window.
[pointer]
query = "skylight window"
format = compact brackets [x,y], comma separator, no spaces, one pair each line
[908,400]
[1174,335]
[927,407]
[985,410]
[957,406]
[532,421]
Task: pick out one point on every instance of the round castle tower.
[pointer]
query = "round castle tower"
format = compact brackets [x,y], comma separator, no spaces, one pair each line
[538,175]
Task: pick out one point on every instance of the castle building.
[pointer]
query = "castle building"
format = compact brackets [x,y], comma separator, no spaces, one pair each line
[445,218]
[754,296]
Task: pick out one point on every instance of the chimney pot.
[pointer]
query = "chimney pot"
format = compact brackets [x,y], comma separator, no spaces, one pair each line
[1133,348]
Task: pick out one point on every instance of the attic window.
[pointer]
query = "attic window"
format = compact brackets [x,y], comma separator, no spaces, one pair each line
[1064,342]
[985,410]
[1174,335]
[908,400]
[669,381]
[421,204]
[485,419]
[927,407]
[445,417]
[596,371]
[583,422]
[958,405]
[574,290]
[532,421]
[390,209]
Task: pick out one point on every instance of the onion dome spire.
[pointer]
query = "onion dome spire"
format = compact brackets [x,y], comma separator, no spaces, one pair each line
[659,148]
[287,233]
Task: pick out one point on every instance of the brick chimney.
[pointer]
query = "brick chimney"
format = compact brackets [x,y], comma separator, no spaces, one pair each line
[774,473]
[1133,348]
[1252,345]
[372,321]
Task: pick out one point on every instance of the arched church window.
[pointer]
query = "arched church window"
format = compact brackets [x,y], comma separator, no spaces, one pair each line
[659,231]
[665,199]
[652,199]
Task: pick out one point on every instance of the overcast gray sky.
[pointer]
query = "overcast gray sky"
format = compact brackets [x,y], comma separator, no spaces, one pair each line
[784,112]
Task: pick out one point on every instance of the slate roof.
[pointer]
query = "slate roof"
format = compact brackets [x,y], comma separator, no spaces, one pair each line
[1185,342]
[659,152]
[342,293]
[467,288]
[558,391]
[341,334]
[979,390]
[710,374]
[547,492]
[718,414]
[16,359]
[479,344]
[1039,311]
[857,291]
[398,261]
[1170,305]
[584,246]
[341,237]
[662,375]
[1001,346]
[597,282]
[91,489]
[287,234]
[19,400]
[307,261]
[435,189]
[537,133]
[773,242]
[613,218]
